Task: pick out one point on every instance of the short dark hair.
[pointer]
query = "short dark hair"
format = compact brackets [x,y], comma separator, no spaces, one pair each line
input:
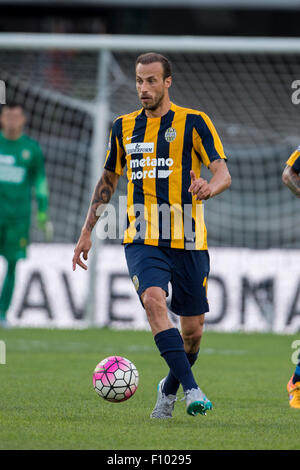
[151,57]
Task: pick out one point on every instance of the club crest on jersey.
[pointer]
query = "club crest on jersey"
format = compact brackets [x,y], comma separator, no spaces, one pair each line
[170,134]
[25,154]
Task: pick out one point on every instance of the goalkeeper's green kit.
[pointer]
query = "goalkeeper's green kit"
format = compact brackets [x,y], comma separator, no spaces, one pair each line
[22,174]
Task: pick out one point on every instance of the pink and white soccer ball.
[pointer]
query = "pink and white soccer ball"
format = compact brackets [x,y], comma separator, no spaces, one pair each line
[115,379]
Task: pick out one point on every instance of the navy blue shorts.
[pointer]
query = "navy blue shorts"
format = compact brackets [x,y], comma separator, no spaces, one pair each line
[186,270]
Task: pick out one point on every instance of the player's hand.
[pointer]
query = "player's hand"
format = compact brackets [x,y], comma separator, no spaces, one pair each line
[44,224]
[199,187]
[41,220]
[83,246]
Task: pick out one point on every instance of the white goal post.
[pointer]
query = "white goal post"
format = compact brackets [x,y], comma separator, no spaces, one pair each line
[244,84]
[125,43]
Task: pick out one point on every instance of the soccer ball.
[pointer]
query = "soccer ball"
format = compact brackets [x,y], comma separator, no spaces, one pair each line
[115,379]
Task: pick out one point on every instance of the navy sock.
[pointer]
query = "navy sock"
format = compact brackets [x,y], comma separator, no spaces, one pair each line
[170,345]
[171,384]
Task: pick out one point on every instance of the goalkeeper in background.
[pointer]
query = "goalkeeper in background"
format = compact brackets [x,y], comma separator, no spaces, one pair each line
[291,177]
[21,173]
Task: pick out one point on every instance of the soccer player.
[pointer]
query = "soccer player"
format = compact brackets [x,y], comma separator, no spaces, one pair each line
[164,146]
[21,172]
[291,177]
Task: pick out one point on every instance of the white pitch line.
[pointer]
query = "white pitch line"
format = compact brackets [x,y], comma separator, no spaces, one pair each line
[33,345]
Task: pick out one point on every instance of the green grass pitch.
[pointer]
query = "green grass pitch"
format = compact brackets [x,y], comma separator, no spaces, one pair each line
[47,399]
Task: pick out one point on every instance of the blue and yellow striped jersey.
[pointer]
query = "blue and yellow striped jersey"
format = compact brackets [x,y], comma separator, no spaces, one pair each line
[294,160]
[159,153]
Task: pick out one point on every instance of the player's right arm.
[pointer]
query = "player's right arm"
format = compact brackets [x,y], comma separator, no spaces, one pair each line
[103,192]
[291,173]
[106,186]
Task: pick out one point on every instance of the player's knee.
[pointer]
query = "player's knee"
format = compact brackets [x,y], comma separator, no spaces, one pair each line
[154,301]
[192,339]
[155,305]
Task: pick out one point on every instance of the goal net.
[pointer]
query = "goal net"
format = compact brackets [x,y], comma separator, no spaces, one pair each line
[246,93]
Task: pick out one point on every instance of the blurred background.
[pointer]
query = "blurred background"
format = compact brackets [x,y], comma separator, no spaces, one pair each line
[248,96]
[189,17]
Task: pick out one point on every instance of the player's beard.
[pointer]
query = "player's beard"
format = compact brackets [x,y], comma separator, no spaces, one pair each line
[154,105]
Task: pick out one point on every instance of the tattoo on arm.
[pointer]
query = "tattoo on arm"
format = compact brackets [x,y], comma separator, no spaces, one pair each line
[101,196]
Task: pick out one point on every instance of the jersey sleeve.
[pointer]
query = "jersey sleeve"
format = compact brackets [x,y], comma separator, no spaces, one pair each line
[294,160]
[115,157]
[206,140]
[40,180]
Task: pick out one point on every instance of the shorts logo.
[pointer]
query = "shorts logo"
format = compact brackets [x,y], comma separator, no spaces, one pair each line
[170,134]
[205,285]
[136,283]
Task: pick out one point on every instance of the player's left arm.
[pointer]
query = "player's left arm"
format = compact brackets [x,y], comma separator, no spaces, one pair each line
[208,146]
[220,181]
